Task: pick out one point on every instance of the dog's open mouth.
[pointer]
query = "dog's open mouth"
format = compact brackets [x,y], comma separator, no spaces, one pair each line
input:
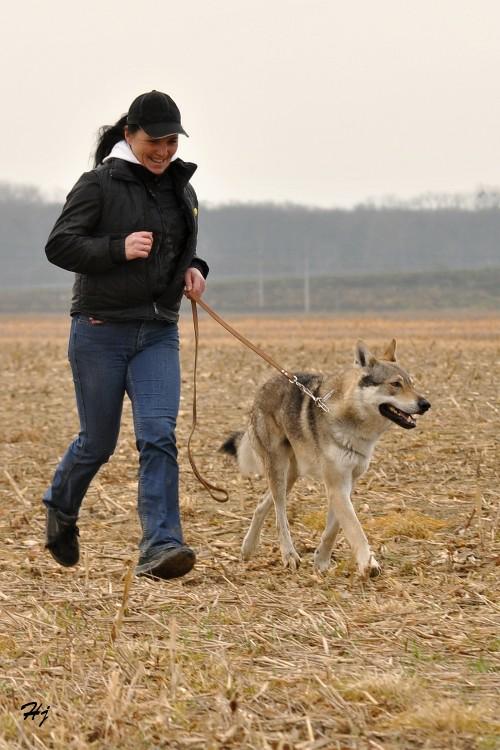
[396,415]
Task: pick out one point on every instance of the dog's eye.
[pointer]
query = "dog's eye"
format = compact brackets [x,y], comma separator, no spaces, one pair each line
[397,384]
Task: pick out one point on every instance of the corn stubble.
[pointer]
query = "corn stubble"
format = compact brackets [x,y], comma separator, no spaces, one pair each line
[249,656]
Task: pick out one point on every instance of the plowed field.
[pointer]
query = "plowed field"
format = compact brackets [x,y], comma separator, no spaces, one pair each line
[249,655]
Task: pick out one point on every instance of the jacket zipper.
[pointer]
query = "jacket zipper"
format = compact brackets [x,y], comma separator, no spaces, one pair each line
[153,249]
[188,209]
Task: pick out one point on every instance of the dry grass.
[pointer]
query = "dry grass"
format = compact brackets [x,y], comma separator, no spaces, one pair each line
[251,656]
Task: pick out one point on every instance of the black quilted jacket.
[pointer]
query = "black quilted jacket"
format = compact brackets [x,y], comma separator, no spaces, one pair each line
[105,206]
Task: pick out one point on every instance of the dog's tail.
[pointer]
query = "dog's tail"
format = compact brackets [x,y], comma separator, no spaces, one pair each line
[238,445]
[230,446]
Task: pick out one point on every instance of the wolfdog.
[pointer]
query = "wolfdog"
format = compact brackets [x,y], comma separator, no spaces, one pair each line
[288,437]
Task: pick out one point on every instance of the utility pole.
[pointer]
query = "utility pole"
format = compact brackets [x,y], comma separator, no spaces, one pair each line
[307,296]
[261,281]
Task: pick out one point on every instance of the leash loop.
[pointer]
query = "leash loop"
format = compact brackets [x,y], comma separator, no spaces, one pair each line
[217,493]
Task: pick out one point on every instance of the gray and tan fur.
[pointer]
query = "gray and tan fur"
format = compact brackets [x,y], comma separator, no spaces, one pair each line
[289,436]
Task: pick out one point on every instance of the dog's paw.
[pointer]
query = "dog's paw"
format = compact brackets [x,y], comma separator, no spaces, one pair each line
[372,569]
[321,562]
[290,559]
[248,548]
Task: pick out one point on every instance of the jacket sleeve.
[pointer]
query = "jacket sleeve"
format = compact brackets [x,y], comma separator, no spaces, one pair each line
[72,244]
[201,265]
[196,261]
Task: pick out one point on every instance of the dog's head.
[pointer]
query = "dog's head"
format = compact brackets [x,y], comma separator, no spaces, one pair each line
[386,386]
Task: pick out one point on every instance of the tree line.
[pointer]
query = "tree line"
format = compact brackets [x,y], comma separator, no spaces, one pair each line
[432,233]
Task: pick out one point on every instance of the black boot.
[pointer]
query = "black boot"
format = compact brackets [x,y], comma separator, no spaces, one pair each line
[62,539]
[171,563]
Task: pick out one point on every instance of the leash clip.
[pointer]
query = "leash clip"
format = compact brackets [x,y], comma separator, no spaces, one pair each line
[317,399]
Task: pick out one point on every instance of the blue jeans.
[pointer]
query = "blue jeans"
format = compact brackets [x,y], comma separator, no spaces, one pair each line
[108,360]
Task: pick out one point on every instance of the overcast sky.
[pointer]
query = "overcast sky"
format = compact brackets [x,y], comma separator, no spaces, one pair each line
[323,102]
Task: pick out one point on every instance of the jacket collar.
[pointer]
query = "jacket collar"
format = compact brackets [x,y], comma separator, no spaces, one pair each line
[181,171]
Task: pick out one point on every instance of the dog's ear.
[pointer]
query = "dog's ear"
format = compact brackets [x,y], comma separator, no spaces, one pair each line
[363,356]
[390,353]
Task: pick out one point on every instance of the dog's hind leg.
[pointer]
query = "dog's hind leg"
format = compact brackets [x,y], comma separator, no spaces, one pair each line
[279,467]
[339,498]
[323,553]
[252,537]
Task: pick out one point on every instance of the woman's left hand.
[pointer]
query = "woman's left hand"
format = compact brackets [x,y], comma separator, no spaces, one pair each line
[194,283]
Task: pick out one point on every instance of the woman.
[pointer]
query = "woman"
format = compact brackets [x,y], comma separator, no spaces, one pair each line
[128,230]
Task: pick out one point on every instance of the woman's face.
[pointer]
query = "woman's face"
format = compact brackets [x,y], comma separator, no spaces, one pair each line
[154,153]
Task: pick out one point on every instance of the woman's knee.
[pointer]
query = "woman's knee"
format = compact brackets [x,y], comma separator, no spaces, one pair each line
[158,434]
[92,450]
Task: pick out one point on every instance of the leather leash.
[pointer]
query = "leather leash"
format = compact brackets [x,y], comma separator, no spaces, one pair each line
[320,401]
[242,338]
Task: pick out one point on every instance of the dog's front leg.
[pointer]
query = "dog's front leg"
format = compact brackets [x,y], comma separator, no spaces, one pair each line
[339,486]
[323,553]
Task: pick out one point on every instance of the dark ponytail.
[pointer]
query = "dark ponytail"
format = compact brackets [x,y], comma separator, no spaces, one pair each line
[108,136]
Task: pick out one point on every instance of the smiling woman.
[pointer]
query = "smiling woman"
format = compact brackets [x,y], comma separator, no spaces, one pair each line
[153,153]
[153,125]
[128,230]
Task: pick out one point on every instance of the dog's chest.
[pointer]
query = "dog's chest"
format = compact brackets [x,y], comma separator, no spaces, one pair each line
[311,462]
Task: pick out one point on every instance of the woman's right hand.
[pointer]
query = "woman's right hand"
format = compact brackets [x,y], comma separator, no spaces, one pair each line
[138,245]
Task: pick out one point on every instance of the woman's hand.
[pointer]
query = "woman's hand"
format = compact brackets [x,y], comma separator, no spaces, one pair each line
[138,245]
[194,283]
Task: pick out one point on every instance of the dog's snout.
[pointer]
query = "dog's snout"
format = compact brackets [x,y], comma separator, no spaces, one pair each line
[423,405]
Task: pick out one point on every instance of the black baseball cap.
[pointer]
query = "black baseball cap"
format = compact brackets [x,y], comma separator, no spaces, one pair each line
[156,113]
